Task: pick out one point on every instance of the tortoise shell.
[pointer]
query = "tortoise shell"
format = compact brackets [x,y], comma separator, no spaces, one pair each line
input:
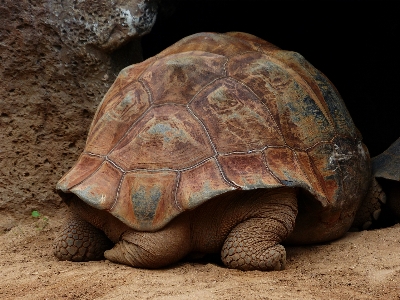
[215,113]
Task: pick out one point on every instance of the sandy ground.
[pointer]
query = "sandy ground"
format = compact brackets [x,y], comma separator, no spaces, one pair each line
[361,265]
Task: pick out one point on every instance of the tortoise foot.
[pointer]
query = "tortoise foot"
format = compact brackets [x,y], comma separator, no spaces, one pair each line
[245,251]
[80,241]
[270,259]
[254,244]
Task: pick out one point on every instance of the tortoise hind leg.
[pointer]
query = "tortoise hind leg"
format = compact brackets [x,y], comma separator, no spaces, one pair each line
[254,243]
[80,241]
[368,214]
[153,249]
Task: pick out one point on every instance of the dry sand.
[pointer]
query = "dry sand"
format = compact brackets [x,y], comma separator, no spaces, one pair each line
[361,265]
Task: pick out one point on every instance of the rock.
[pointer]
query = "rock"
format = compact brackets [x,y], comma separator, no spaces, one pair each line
[57,60]
[105,25]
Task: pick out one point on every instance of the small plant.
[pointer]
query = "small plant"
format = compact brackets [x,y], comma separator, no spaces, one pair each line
[41,221]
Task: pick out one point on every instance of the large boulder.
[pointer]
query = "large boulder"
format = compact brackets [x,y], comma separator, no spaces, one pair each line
[57,60]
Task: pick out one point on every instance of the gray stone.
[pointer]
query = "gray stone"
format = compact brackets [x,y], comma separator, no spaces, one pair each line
[103,24]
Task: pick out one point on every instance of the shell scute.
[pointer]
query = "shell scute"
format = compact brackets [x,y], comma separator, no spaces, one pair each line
[158,188]
[343,122]
[100,188]
[248,170]
[283,163]
[167,137]
[121,113]
[220,44]
[126,77]
[329,98]
[186,74]
[256,42]
[235,118]
[317,183]
[321,157]
[200,183]
[295,108]
[83,168]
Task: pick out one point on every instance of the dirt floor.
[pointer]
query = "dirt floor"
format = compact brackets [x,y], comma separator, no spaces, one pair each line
[362,265]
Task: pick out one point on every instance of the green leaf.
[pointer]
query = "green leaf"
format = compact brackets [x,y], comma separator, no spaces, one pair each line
[35,214]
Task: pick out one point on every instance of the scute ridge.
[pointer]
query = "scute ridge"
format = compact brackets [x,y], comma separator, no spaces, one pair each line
[205,86]
[205,129]
[148,90]
[213,146]
[264,105]
[268,168]
[303,171]
[177,180]
[316,94]
[318,175]
[117,193]
[129,129]
[88,177]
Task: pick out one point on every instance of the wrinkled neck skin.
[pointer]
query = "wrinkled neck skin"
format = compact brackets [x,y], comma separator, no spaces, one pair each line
[209,224]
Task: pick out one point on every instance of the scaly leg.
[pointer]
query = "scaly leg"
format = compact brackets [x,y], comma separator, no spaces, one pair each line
[80,241]
[254,243]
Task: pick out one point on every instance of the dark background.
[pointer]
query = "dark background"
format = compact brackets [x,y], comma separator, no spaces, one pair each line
[354,43]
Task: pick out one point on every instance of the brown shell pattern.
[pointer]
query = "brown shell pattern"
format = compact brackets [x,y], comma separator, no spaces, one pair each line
[211,114]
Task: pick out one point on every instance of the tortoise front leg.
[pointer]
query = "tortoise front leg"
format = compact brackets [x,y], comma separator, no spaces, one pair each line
[254,244]
[80,241]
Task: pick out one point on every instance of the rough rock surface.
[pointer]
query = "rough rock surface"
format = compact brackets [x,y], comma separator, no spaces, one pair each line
[57,60]
[102,24]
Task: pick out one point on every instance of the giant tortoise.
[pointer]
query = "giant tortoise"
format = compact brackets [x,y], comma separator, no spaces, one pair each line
[222,143]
